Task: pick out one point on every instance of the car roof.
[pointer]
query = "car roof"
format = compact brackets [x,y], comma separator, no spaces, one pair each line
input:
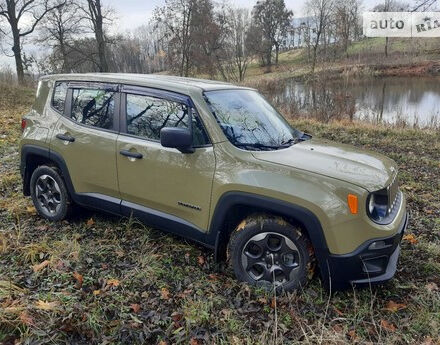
[166,82]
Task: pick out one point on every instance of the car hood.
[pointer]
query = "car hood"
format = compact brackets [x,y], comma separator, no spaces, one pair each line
[363,168]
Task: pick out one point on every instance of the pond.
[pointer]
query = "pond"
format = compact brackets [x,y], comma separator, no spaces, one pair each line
[402,101]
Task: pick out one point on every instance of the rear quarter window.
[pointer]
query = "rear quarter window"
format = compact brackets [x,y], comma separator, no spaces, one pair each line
[59,96]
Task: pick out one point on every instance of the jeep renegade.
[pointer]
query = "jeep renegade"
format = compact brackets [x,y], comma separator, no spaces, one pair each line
[216,164]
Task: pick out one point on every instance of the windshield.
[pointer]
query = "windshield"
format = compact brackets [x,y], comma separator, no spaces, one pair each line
[249,121]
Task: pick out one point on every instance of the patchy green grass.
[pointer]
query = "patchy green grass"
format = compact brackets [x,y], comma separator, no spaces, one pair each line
[98,279]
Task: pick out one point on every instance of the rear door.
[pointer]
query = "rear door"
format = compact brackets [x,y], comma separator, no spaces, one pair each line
[85,136]
[158,178]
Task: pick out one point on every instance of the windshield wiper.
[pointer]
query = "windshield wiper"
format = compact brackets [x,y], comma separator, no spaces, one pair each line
[290,141]
[260,146]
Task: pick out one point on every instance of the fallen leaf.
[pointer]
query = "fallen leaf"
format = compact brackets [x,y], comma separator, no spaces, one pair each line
[163,342]
[352,335]
[387,325]
[337,328]
[201,260]
[31,210]
[43,305]
[410,238]
[113,282]
[431,287]
[213,276]
[96,292]
[273,303]
[394,307]
[42,228]
[135,307]
[90,222]
[79,280]
[194,341]
[41,266]
[176,316]
[165,294]
[340,313]
[26,319]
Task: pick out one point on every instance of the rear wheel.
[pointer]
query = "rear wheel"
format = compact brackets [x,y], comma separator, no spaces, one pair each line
[269,252]
[49,193]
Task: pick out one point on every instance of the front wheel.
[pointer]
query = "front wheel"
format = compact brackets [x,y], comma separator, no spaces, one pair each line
[269,252]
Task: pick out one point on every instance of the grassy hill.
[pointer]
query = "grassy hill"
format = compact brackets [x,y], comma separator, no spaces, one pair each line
[98,279]
[363,57]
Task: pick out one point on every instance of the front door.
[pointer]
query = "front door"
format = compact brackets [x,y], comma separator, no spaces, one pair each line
[85,136]
[163,179]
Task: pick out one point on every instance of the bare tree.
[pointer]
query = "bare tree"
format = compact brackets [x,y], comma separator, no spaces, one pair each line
[240,24]
[390,6]
[97,15]
[13,11]
[59,29]
[320,12]
[175,17]
[273,19]
[346,17]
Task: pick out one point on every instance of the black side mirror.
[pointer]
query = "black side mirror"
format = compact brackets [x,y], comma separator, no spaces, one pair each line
[177,138]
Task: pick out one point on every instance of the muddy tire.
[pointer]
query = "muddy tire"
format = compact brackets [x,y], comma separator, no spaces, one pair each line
[49,194]
[269,252]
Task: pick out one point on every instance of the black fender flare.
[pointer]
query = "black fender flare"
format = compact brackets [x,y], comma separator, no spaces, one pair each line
[43,152]
[26,151]
[303,216]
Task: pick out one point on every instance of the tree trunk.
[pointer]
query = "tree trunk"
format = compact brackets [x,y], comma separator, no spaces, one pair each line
[277,51]
[18,61]
[16,47]
[100,40]
[386,46]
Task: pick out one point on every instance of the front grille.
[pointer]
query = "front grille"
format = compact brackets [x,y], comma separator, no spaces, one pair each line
[393,193]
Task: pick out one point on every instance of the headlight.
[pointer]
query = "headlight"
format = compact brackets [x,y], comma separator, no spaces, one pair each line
[378,205]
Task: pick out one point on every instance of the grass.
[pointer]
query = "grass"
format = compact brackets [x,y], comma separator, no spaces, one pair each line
[100,279]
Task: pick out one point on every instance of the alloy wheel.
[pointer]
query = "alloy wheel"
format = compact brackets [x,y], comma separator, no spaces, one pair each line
[48,194]
[270,257]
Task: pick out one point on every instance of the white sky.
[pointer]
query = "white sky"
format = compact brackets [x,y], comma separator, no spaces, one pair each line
[133,13]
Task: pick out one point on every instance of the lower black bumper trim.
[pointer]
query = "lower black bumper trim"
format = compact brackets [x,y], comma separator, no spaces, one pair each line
[366,266]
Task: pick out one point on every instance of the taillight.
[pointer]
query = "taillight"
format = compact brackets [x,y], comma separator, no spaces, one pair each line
[23,124]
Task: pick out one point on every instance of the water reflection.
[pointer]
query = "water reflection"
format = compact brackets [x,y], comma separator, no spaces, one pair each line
[394,100]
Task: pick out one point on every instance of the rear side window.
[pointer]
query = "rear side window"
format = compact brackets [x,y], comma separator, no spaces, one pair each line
[146,116]
[93,107]
[59,96]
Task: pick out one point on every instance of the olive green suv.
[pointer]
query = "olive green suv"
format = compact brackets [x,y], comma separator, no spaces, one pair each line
[214,163]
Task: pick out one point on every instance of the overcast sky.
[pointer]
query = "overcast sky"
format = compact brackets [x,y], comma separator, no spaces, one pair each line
[133,13]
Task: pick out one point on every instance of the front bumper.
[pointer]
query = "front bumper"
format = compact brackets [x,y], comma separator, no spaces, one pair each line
[366,265]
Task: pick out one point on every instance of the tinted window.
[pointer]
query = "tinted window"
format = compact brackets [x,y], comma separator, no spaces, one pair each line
[146,116]
[59,96]
[93,107]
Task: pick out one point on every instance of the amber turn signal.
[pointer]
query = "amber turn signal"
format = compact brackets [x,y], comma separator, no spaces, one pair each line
[353,203]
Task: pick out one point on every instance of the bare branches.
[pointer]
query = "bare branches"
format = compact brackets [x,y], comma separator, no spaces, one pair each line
[13,11]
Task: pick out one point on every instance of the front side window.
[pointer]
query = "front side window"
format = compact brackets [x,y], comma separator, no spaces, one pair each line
[93,107]
[59,96]
[147,115]
[249,121]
